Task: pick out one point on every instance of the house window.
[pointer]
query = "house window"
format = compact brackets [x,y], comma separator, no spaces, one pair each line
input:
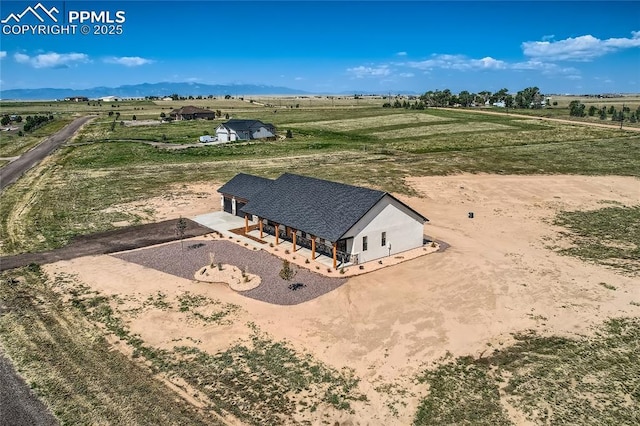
[384,239]
[364,243]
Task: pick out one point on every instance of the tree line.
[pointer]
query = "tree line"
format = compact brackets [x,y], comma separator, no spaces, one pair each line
[31,123]
[577,109]
[531,97]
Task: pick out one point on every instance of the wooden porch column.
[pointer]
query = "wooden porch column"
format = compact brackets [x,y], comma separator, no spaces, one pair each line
[335,255]
[294,239]
[313,247]
[246,223]
[277,233]
[260,224]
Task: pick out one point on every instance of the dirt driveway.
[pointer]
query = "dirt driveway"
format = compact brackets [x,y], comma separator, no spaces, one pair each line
[108,242]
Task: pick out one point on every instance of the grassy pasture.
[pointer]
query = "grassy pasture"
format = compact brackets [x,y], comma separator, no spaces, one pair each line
[71,194]
[552,380]
[67,361]
[609,236]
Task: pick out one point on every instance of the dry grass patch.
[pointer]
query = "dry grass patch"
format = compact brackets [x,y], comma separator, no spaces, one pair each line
[448,128]
[369,122]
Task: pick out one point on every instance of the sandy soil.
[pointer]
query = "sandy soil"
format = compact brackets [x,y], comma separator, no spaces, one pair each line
[498,277]
[180,200]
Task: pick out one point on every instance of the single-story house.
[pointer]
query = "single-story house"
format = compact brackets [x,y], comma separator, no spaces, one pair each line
[192,113]
[349,223]
[244,130]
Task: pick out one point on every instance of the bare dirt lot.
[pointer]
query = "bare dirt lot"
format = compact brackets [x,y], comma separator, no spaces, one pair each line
[499,276]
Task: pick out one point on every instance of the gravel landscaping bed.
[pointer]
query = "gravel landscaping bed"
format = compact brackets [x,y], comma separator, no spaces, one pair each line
[306,285]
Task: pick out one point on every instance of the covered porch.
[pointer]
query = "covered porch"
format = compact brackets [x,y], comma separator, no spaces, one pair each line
[331,254]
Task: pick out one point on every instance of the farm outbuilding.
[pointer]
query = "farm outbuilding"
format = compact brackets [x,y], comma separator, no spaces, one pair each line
[349,223]
[244,130]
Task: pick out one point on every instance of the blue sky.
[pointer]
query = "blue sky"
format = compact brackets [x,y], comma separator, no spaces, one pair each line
[333,47]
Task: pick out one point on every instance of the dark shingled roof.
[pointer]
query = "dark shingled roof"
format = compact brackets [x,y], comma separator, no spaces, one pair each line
[319,207]
[245,186]
[191,110]
[240,125]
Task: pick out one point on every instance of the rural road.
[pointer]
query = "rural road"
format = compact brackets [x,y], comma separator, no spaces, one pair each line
[12,171]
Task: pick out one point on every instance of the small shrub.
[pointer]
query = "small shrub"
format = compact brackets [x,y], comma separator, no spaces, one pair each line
[270,244]
[287,251]
[342,270]
[287,273]
[307,261]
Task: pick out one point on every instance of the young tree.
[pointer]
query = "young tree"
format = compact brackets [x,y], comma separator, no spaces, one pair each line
[5,120]
[592,110]
[576,109]
[181,227]
[287,273]
[289,134]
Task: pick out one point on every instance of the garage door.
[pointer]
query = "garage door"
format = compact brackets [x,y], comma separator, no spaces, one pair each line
[239,206]
[227,205]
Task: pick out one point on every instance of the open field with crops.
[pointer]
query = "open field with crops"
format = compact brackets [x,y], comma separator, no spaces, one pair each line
[537,290]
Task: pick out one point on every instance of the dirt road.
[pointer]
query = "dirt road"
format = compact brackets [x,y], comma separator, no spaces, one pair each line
[12,171]
[128,238]
[19,405]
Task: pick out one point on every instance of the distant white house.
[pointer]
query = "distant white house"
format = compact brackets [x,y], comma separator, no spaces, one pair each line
[500,104]
[244,130]
[110,99]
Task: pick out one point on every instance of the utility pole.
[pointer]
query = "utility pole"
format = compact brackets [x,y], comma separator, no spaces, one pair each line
[622,117]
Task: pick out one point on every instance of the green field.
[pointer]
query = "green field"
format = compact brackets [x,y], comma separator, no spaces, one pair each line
[58,339]
[69,195]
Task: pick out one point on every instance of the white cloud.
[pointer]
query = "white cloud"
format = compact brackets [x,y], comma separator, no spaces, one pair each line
[401,54]
[458,62]
[548,37]
[3,54]
[406,74]
[583,48]
[129,61]
[51,59]
[362,71]
[299,78]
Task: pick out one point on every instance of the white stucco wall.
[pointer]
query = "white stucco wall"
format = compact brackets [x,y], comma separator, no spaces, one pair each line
[404,230]
[222,133]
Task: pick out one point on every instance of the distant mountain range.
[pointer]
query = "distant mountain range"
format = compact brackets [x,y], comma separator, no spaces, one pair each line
[150,89]
[167,89]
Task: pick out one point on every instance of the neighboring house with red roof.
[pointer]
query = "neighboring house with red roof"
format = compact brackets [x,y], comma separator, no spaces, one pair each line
[352,224]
